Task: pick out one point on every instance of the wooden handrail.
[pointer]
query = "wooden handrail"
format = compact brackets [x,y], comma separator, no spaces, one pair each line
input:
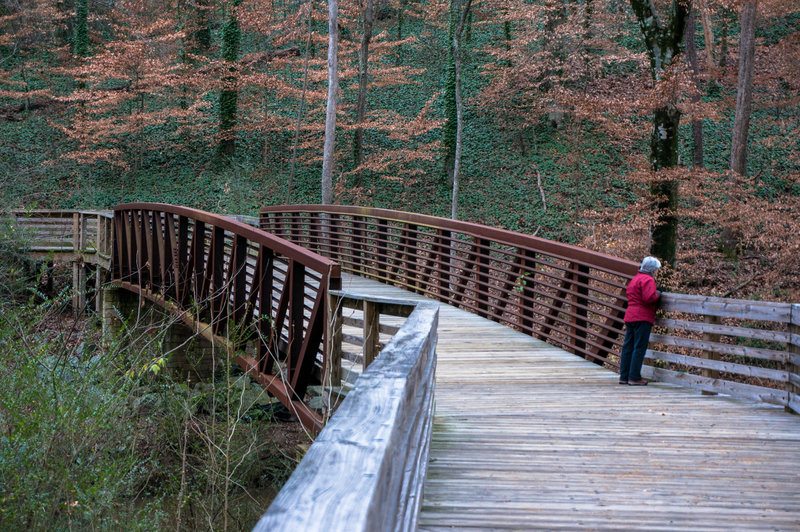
[743,348]
[570,297]
[365,470]
[236,284]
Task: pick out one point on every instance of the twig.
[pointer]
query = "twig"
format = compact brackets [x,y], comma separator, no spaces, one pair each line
[741,285]
[539,184]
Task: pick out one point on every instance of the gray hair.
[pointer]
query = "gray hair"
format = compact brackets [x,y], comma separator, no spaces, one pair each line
[649,265]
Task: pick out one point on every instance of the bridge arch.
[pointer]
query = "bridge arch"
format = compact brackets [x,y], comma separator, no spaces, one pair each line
[234,284]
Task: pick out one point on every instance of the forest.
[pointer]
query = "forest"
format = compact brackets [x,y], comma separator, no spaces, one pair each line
[629,127]
[619,126]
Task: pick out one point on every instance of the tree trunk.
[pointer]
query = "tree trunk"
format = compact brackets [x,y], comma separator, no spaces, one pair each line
[663,41]
[459,105]
[708,31]
[664,149]
[302,110]
[363,63]
[450,113]
[229,95]
[333,91]
[744,88]
[81,48]
[398,57]
[723,45]
[691,57]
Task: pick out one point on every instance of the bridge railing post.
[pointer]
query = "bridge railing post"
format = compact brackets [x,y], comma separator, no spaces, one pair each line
[372,331]
[78,268]
[333,359]
[793,362]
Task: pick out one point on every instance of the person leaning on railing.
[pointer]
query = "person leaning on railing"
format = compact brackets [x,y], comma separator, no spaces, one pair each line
[643,299]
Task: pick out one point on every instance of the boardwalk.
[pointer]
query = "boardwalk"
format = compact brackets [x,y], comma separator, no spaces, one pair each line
[527,436]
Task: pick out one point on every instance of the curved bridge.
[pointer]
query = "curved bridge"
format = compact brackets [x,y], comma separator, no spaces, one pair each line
[233,284]
[524,435]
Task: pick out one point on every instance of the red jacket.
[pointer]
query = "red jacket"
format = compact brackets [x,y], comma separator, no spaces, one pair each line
[642,299]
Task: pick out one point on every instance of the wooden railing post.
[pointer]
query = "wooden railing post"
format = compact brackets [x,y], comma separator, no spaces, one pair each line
[371,332]
[710,355]
[793,362]
[333,360]
[78,271]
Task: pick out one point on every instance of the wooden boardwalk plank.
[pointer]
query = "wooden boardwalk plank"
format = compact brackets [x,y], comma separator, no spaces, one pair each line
[527,436]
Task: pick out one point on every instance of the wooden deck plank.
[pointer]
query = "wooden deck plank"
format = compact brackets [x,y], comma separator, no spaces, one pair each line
[527,436]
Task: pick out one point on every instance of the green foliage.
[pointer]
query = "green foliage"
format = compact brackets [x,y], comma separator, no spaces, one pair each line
[68,458]
[97,434]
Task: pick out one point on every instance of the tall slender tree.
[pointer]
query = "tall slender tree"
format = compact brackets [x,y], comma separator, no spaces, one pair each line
[333,94]
[462,17]
[363,64]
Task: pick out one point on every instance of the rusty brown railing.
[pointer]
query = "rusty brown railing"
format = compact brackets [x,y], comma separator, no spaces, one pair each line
[237,285]
[567,296]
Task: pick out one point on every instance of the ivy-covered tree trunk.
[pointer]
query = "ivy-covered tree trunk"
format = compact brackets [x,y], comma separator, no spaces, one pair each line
[361,104]
[663,40]
[459,106]
[450,119]
[81,45]
[229,94]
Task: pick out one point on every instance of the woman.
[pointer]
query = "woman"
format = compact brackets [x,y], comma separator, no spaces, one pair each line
[643,298]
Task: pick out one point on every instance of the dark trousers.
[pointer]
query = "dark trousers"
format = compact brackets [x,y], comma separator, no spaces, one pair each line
[637,336]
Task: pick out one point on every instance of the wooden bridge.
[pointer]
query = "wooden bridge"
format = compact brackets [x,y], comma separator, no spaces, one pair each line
[514,339]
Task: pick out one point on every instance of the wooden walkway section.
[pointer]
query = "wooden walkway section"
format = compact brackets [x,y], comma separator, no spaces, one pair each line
[527,436]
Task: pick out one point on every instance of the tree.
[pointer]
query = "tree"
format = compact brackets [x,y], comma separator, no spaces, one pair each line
[663,40]
[691,58]
[744,88]
[229,94]
[462,14]
[333,94]
[81,48]
[363,63]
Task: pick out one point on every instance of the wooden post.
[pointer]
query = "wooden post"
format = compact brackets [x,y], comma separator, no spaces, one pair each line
[333,362]
[371,332]
[78,272]
[711,355]
[793,362]
[483,255]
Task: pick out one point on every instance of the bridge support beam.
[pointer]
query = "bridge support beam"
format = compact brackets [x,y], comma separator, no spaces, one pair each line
[135,322]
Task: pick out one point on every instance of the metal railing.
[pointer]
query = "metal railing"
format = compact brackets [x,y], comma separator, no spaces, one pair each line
[567,296]
[236,284]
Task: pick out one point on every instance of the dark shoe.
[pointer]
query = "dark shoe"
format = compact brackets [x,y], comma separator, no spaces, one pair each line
[637,383]
[623,382]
